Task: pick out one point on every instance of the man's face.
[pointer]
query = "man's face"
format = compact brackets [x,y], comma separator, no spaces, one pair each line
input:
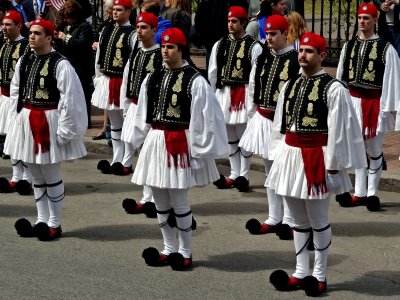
[38,38]
[309,59]
[144,31]
[120,14]
[366,23]
[10,29]
[276,39]
[234,26]
[279,8]
[171,54]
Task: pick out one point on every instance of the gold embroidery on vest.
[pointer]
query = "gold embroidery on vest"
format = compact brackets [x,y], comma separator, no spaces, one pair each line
[369,75]
[174,111]
[370,66]
[117,61]
[262,72]
[45,69]
[150,65]
[285,73]
[120,41]
[310,109]
[240,53]
[15,55]
[42,94]
[308,121]
[314,93]
[374,52]
[177,87]
[276,96]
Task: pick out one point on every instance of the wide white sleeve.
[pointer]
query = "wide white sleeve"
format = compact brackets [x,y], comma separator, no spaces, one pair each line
[255,52]
[345,148]
[14,89]
[390,98]
[124,87]
[213,68]
[97,72]
[140,127]
[73,120]
[250,106]
[277,138]
[207,130]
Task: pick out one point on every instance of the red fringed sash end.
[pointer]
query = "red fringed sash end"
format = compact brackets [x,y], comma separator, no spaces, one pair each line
[313,159]
[177,148]
[238,95]
[114,87]
[40,130]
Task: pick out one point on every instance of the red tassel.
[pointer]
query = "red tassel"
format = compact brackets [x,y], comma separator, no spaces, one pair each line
[314,168]
[114,87]
[40,130]
[238,94]
[370,110]
[176,144]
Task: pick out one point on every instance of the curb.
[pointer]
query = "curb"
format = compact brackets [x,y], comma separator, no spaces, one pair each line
[388,182]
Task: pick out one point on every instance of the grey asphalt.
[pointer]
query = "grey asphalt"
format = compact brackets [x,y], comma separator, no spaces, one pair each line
[99,255]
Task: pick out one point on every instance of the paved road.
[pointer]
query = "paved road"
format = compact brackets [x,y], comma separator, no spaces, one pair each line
[99,256]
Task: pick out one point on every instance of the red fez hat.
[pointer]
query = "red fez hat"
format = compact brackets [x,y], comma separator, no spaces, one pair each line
[173,36]
[46,24]
[314,40]
[147,18]
[15,16]
[276,22]
[237,12]
[126,3]
[367,9]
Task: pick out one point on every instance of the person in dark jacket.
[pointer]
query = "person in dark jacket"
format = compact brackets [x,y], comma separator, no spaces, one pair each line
[75,42]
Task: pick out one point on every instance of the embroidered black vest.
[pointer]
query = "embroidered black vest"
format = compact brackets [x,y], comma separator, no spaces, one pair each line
[234,60]
[169,97]
[115,49]
[38,83]
[305,104]
[366,62]
[272,72]
[140,64]
[9,55]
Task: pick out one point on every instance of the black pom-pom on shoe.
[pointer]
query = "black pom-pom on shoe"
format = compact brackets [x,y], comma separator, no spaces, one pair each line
[23,187]
[4,185]
[221,182]
[344,199]
[117,169]
[284,232]
[153,258]
[253,226]
[24,227]
[279,279]
[178,262]
[313,287]
[42,231]
[149,209]
[373,203]
[242,184]
[104,166]
[130,206]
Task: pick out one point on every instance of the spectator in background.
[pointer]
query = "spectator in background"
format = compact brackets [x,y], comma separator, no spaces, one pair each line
[297,27]
[105,132]
[267,8]
[75,41]
[389,22]
[154,6]
[178,12]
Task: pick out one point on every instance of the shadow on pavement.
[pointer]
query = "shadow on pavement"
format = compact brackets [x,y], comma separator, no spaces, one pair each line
[17,211]
[228,208]
[379,229]
[84,188]
[360,285]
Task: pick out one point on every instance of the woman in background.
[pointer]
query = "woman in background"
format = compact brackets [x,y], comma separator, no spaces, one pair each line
[297,27]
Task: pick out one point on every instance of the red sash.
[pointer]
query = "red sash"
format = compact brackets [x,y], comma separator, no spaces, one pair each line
[176,144]
[5,91]
[39,127]
[370,105]
[313,158]
[114,87]
[266,113]
[134,100]
[238,94]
